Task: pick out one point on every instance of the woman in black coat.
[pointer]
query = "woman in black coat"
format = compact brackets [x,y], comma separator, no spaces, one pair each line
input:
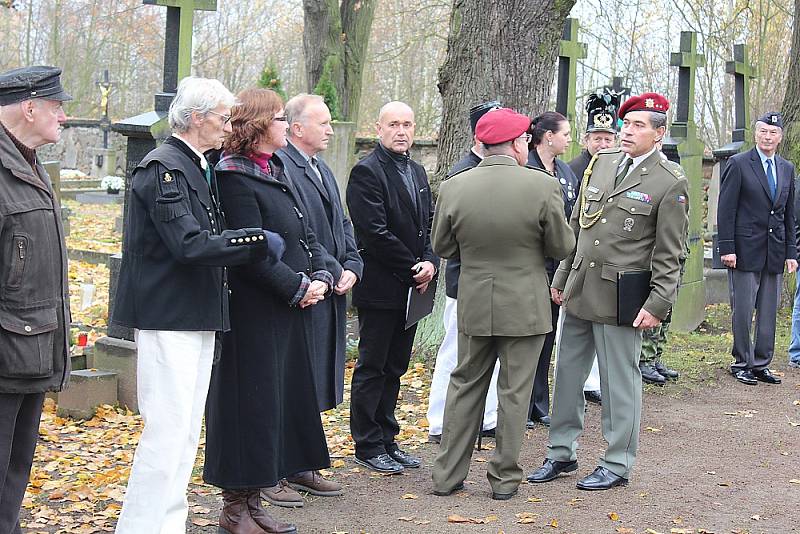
[262,422]
[550,138]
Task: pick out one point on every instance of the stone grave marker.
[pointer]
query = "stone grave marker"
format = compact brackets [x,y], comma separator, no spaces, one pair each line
[684,147]
[569,52]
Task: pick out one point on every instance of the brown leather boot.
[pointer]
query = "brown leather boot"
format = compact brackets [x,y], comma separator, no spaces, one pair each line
[263,519]
[235,516]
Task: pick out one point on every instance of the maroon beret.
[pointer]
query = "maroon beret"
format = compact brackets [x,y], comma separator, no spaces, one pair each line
[501,125]
[645,102]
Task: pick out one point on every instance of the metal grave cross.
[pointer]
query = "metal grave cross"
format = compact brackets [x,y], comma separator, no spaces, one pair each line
[105,86]
[617,87]
[178,37]
[569,52]
[743,71]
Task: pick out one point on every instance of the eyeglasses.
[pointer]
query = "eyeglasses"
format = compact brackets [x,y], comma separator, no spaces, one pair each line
[225,118]
[280,118]
[526,137]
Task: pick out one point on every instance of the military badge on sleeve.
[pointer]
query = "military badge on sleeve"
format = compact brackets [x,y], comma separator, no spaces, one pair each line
[168,178]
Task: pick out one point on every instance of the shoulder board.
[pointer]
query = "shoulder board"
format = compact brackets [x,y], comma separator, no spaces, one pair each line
[612,150]
[673,168]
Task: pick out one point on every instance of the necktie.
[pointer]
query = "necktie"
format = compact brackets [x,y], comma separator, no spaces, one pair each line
[315,168]
[773,186]
[208,174]
[623,171]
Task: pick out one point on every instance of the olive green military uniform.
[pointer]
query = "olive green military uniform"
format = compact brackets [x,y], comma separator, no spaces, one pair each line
[639,224]
[503,220]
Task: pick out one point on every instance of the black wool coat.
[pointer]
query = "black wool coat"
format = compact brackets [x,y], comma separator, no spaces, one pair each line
[760,231]
[325,215]
[262,418]
[392,234]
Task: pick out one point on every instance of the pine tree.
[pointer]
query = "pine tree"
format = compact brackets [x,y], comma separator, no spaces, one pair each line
[270,79]
[327,90]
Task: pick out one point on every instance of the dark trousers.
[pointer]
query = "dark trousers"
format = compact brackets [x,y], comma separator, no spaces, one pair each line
[540,398]
[384,350]
[19,431]
[751,291]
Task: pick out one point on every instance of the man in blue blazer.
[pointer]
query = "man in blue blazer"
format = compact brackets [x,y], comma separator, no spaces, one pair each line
[756,237]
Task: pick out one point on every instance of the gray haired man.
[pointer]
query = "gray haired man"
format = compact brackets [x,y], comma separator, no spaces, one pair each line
[173,291]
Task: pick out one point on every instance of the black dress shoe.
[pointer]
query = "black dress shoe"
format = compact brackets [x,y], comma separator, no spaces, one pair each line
[434,438]
[405,459]
[765,375]
[503,496]
[666,372]
[551,469]
[490,433]
[382,463]
[445,493]
[650,375]
[543,420]
[593,396]
[745,377]
[601,479]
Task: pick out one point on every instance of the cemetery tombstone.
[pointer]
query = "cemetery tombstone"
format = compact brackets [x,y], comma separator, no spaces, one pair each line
[684,147]
[569,52]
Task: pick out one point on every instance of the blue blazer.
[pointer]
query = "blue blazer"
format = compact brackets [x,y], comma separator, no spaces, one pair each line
[760,231]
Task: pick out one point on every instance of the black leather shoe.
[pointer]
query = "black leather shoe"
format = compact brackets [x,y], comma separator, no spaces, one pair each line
[666,372]
[650,375]
[434,438]
[445,493]
[601,479]
[490,433]
[503,496]
[745,377]
[551,469]
[382,463]
[405,459]
[593,396]
[765,375]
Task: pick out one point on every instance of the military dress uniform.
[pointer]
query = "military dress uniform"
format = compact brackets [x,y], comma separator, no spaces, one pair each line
[637,225]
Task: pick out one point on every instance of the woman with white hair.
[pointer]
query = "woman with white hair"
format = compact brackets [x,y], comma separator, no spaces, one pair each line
[173,292]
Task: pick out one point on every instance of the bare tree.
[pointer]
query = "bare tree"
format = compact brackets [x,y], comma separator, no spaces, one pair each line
[502,49]
[790,148]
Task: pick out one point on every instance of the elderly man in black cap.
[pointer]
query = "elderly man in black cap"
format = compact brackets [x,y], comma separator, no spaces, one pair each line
[34,301]
[447,357]
[756,224]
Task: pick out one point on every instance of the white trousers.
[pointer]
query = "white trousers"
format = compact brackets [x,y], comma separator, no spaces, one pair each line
[173,373]
[446,360]
[593,380]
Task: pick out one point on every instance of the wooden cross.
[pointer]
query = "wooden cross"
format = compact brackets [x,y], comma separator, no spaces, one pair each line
[569,52]
[743,71]
[178,37]
[687,61]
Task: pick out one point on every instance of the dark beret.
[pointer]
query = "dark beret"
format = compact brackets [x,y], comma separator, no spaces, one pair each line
[25,83]
[773,118]
[645,102]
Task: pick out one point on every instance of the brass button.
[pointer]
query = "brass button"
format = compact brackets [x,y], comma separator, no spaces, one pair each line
[591,264]
[596,242]
[603,220]
[28,328]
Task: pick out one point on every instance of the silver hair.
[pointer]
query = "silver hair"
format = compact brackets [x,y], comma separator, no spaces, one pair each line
[296,107]
[197,94]
[657,120]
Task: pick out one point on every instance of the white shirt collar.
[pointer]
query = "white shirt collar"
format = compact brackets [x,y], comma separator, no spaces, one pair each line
[637,160]
[203,162]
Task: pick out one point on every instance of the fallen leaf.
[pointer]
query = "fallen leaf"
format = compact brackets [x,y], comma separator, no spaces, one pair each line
[406,518]
[625,530]
[554,523]
[614,516]
[534,499]
[652,429]
[200,522]
[755,517]
[526,518]
[409,496]
[681,531]
[336,464]
[651,531]
[794,481]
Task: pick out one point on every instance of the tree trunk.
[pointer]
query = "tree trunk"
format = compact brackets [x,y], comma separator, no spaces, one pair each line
[336,37]
[790,148]
[497,49]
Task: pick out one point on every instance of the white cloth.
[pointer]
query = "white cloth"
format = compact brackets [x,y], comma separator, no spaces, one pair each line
[446,360]
[173,373]
[593,380]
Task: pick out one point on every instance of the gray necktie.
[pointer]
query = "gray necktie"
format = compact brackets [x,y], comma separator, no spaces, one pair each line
[314,167]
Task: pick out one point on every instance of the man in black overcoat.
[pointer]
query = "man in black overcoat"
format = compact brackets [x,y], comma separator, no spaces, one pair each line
[389,199]
[756,224]
[310,131]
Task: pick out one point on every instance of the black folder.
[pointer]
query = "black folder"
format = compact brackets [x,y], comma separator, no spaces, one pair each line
[419,304]
[633,288]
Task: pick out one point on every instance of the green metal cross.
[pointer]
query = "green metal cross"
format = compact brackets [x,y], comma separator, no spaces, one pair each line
[687,61]
[569,52]
[743,71]
[178,45]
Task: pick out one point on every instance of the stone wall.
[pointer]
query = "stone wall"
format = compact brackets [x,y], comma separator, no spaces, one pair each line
[423,151]
[77,145]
